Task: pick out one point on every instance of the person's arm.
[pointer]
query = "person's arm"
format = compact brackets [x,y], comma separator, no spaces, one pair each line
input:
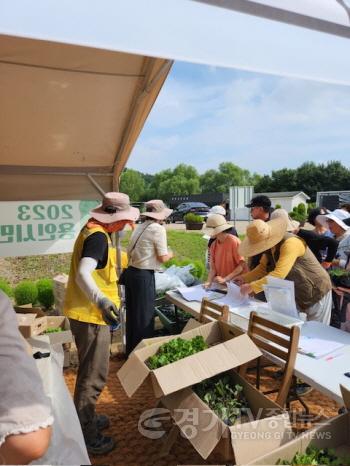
[290,250]
[319,242]
[25,410]
[160,244]
[343,253]
[85,281]
[25,448]
[258,272]
[212,269]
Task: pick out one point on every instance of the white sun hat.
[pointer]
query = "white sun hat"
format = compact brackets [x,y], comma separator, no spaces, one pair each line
[338,216]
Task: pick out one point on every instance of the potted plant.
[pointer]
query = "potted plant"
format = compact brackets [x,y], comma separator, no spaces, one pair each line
[193,221]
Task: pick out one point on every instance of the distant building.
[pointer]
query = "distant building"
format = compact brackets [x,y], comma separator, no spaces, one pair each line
[332,199]
[210,199]
[287,200]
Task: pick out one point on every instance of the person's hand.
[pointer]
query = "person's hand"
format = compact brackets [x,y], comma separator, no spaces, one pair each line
[239,280]
[109,310]
[246,289]
[206,285]
[326,265]
[335,262]
[220,280]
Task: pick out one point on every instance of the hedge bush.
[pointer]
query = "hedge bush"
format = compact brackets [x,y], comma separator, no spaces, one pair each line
[6,287]
[45,292]
[193,218]
[26,292]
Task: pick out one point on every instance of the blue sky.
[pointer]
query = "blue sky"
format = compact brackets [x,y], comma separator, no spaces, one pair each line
[206,115]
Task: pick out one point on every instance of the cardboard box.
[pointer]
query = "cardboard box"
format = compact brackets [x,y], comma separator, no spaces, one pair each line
[333,433]
[59,290]
[191,324]
[225,352]
[30,325]
[29,309]
[65,336]
[268,426]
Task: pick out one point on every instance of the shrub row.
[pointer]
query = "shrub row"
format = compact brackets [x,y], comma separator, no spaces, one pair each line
[28,292]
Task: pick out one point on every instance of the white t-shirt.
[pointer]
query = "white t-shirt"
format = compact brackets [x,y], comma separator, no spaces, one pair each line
[24,407]
[151,243]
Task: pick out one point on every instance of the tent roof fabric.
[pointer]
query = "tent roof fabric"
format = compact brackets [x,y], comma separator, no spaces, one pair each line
[78,79]
[69,110]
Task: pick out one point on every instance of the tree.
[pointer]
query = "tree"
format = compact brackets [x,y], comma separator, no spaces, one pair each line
[133,184]
[228,175]
[184,179]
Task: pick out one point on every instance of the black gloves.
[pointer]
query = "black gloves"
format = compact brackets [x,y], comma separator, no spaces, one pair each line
[109,310]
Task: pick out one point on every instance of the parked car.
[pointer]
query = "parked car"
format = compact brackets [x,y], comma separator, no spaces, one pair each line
[198,208]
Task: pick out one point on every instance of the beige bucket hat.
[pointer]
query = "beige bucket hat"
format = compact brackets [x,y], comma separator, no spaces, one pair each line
[216,224]
[262,236]
[156,209]
[281,213]
[115,207]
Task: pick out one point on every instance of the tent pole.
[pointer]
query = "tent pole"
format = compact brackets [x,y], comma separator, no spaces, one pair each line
[121,290]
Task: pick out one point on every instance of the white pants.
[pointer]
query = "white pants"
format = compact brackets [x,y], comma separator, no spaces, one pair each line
[321,311]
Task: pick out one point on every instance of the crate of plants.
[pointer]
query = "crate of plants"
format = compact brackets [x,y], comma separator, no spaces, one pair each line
[326,444]
[174,320]
[58,330]
[177,362]
[340,277]
[232,418]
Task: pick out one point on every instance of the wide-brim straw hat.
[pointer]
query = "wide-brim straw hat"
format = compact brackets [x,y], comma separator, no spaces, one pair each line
[156,209]
[338,216]
[281,213]
[216,224]
[262,236]
[114,208]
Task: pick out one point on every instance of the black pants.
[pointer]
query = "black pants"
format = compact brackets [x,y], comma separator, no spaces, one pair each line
[140,294]
[93,342]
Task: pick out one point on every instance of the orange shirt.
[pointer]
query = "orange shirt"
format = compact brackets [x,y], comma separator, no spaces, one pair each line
[224,256]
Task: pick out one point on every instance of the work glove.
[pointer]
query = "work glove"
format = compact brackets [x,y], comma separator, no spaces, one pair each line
[109,310]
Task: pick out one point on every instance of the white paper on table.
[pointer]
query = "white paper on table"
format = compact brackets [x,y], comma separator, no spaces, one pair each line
[280,296]
[233,297]
[194,293]
[317,347]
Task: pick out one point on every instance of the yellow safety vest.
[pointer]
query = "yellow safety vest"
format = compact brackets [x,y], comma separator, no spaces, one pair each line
[76,305]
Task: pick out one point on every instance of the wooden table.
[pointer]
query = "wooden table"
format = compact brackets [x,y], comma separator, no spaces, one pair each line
[323,374]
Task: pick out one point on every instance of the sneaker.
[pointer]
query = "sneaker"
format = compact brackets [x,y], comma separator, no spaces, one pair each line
[303,389]
[102,421]
[101,445]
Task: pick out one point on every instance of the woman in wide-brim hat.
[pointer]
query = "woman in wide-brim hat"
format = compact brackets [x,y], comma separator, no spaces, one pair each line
[225,261]
[147,251]
[92,305]
[286,256]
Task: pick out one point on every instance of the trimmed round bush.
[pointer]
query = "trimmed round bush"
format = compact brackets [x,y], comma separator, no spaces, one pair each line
[26,292]
[45,292]
[6,287]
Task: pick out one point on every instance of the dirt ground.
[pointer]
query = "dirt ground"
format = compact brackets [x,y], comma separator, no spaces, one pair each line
[133,449]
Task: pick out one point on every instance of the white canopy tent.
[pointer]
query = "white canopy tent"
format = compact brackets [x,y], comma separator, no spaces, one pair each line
[78,79]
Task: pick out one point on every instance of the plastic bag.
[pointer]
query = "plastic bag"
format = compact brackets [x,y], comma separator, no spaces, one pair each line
[165,282]
[183,272]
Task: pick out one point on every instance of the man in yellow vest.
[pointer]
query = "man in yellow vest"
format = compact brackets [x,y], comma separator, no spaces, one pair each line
[92,305]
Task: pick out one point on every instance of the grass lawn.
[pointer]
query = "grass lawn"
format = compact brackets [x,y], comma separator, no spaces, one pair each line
[15,269]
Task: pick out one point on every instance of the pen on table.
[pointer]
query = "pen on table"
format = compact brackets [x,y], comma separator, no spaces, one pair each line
[334,356]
